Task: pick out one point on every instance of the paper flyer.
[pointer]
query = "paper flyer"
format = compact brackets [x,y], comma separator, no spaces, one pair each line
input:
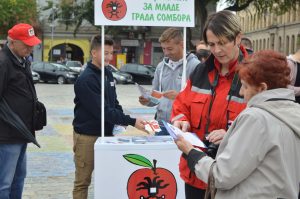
[143,91]
[154,96]
[191,137]
[152,126]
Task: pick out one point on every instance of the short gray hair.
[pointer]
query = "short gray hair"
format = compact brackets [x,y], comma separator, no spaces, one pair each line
[9,40]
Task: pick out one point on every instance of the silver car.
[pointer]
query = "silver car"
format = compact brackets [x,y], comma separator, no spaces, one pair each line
[35,76]
[120,77]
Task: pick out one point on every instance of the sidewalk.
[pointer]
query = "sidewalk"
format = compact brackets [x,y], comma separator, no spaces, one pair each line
[50,173]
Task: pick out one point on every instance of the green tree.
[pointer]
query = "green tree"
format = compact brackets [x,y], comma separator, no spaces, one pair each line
[16,11]
[277,6]
[70,12]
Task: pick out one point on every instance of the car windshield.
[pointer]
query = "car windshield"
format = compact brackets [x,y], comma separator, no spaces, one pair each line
[74,64]
[61,67]
[151,68]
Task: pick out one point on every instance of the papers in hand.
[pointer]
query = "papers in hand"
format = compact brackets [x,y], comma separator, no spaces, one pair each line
[152,126]
[144,92]
[191,137]
[153,96]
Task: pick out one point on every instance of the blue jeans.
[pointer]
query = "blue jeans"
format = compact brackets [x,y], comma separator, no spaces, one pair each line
[12,170]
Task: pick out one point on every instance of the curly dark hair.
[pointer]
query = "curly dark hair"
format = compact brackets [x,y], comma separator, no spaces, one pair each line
[266,66]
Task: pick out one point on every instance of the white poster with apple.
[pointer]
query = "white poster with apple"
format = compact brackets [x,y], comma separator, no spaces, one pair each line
[137,168]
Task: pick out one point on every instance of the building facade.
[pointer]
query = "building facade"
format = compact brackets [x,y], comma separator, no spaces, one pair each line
[272,31]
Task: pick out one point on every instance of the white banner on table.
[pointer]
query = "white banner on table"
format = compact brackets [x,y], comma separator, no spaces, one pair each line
[177,13]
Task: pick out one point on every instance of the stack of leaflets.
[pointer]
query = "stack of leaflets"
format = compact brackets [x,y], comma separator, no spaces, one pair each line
[152,126]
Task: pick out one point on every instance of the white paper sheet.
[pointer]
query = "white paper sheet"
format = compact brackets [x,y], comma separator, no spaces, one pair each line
[147,94]
[191,137]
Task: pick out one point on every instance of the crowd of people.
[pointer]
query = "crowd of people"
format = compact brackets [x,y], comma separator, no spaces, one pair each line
[243,105]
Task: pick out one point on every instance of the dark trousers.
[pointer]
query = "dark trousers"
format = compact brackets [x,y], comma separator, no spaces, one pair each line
[193,192]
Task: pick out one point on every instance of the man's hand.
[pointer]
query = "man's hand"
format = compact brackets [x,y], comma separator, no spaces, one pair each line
[183,125]
[140,124]
[143,101]
[216,136]
[171,94]
[183,145]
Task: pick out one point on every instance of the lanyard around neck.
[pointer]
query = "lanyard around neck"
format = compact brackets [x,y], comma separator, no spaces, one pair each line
[233,88]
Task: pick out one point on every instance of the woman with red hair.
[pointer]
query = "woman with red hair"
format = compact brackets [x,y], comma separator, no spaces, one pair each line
[259,156]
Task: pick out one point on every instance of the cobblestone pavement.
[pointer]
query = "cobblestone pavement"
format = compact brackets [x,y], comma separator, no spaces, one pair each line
[50,172]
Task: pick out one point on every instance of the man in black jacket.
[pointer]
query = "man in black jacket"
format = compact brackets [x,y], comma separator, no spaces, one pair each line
[87,112]
[16,87]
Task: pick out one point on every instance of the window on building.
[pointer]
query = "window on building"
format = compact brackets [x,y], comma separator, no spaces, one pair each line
[268,43]
[293,42]
[287,45]
[264,44]
[256,21]
[279,45]
[251,22]
[292,15]
[248,23]
[298,42]
[297,13]
[271,19]
[272,41]
[242,23]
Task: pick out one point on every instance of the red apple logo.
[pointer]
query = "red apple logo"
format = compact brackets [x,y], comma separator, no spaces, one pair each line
[150,182]
[114,10]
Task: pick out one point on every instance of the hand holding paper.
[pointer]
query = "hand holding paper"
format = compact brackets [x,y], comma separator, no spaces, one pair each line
[156,94]
[152,96]
[190,137]
[152,126]
[183,145]
[143,91]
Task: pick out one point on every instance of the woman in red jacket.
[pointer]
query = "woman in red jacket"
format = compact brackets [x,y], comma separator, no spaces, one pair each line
[211,100]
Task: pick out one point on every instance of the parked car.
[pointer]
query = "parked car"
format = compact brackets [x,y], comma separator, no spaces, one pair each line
[35,77]
[74,65]
[54,72]
[120,77]
[142,74]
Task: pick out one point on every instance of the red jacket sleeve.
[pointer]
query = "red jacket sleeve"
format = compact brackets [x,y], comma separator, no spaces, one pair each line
[181,105]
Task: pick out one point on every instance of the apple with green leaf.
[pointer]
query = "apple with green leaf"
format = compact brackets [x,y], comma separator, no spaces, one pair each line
[150,182]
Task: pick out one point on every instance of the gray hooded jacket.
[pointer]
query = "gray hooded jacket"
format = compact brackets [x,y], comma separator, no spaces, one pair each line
[259,157]
[167,78]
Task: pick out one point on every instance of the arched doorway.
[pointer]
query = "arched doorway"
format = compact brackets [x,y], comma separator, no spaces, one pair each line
[66,51]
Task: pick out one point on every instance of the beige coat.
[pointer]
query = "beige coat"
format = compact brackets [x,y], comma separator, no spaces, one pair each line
[259,157]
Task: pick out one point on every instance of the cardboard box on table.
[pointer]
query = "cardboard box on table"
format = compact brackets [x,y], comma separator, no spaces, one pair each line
[137,168]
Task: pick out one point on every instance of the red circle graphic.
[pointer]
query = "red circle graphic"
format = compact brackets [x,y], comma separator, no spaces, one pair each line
[114,10]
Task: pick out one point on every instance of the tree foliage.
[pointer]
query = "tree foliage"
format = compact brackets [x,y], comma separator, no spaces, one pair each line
[276,6]
[16,11]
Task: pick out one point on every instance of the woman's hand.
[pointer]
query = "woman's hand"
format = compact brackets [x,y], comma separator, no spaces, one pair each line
[182,125]
[216,136]
[171,94]
[183,145]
